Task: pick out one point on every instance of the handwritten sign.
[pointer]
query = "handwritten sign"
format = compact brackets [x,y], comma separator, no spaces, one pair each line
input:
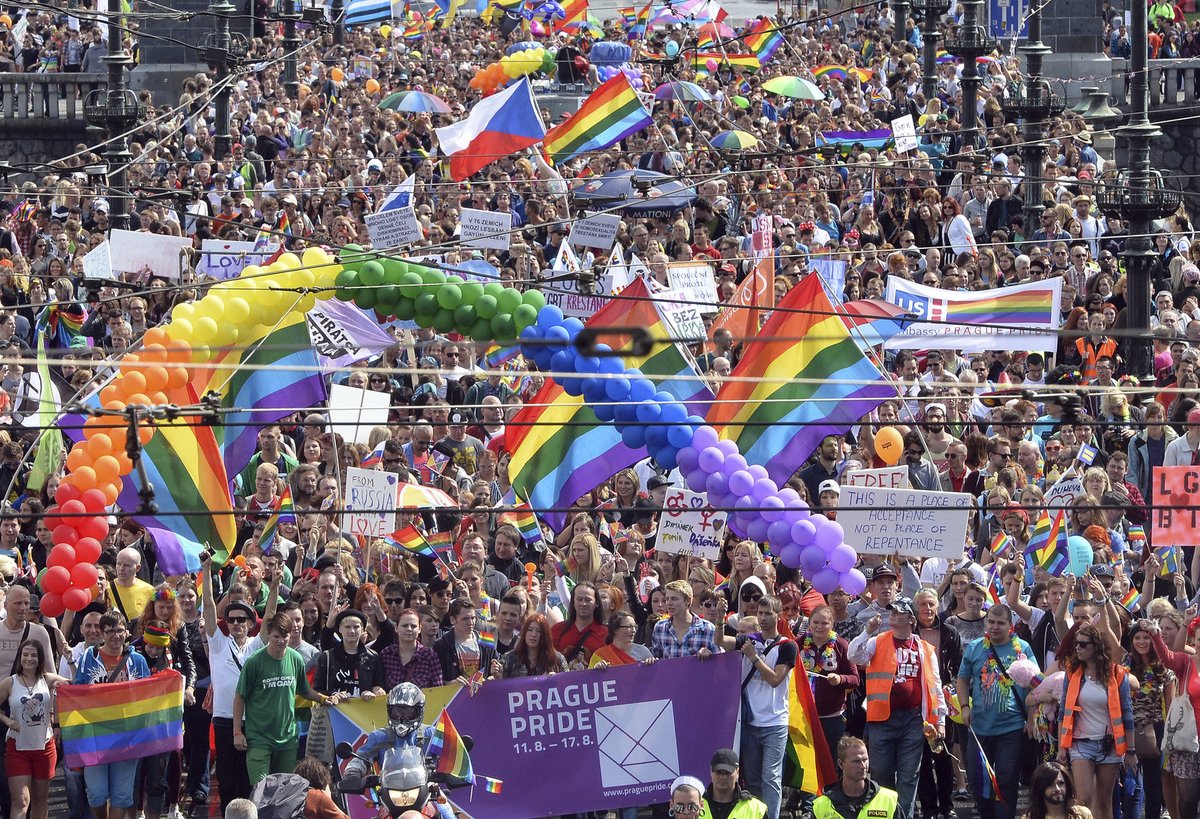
[485,228]
[684,319]
[690,526]
[134,252]
[370,502]
[905,132]
[354,412]
[908,522]
[1060,495]
[598,230]
[227,260]
[695,280]
[392,228]
[97,264]
[1175,518]
[889,477]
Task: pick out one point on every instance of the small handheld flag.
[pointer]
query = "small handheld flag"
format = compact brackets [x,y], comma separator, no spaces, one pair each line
[526,522]
[452,757]
[284,512]
[1087,454]
[1131,600]
[1000,542]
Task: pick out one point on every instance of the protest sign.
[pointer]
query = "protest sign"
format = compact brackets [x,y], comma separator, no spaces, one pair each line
[393,228]
[97,264]
[343,333]
[909,522]
[227,260]
[566,297]
[696,282]
[690,526]
[1065,490]
[683,318]
[370,502]
[1019,317]
[484,228]
[889,477]
[833,273]
[598,230]
[152,253]
[353,413]
[905,132]
[1175,517]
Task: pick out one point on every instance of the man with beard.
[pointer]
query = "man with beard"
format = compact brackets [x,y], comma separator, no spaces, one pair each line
[1052,794]
[937,437]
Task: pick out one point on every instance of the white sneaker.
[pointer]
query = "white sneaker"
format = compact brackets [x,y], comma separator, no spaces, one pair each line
[173,813]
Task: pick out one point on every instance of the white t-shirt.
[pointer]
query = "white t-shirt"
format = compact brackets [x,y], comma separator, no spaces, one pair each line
[769,706]
[226,661]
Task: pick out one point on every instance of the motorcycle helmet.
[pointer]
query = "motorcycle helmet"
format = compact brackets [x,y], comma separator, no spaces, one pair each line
[405,707]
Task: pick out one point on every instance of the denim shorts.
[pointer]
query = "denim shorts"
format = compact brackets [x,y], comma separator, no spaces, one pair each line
[111,784]
[1093,750]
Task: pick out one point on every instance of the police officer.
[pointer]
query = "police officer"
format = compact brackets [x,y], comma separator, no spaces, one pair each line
[855,796]
[724,799]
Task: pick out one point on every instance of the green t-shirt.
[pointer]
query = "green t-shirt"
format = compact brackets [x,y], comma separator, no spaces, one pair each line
[268,687]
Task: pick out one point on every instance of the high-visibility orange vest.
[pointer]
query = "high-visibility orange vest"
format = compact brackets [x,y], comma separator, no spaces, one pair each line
[1071,707]
[881,677]
[1089,354]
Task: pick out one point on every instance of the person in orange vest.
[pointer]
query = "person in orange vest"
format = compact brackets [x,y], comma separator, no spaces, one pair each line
[904,699]
[1094,346]
[1096,731]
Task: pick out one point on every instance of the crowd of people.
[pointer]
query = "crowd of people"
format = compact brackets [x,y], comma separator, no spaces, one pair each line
[946,683]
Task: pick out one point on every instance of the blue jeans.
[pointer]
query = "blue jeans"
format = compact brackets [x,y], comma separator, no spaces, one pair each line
[895,748]
[77,803]
[1004,753]
[111,784]
[763,750]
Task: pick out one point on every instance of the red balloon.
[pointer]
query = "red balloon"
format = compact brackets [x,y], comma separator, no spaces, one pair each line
[66,492]
[76,599]
[51,518]
[61,555]
[94,501]
[83,576]
[56,579]
[52,604]
[71,509]
[65,534]
[96,527]
[87,550]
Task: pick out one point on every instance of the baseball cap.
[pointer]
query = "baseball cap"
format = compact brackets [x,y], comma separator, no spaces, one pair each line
[374,165]
[290,200]
[457,418]
[658,481]
[884,570]
[1193,417]
[1101,570]
[829,486]
[725,760]
[902,606]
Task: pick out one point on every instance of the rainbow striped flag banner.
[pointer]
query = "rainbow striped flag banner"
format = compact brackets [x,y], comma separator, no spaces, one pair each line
[1048,544]
[612,112]
[526,522]
[806,739]
[491,785]
[747,61]
[763,38]
[1020,317]
[115,722]
[1131,600]
[487,635]
[411,541]
[1000,542]
[284,512]
[448,747]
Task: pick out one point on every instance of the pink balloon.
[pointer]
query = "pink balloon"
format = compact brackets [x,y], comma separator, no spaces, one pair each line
[711,65]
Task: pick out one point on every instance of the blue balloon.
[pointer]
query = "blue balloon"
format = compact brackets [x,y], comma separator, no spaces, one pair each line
[612,365]
[617,389]
[674,413]
[593,391]
[672,49]
[562,362]
[524,45]
[656,436]
[634,437]
[642,390]
[604,411]
[663,397]
[667,459]
[549,316]
[556,340]
[587,364]
[679,436]
[607,53]
[572,385]
[573,327]
[648,412]
[626,414]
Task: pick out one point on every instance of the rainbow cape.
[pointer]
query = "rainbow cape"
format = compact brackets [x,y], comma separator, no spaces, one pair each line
[612,112]
[115,722]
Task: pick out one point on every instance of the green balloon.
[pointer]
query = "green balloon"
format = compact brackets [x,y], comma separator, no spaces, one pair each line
[493,289]
[464,318]
[534,299]
[411,284]
[524,316]
[372,274]
[366,299]
[426,304]
[471,292]
[449,296]
[508,301]
[433,277]
[386,298]
[443,322]
[504,328]
[486,306]
[346,280]
[423,321]
[393,269]
[352,257]
[482,331]
[454,278]
[406,310]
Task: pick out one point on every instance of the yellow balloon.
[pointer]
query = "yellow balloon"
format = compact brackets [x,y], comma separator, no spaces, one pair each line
[306,303]
[290,261]
[237,311]
[385,30]
[251,272]
[183,311]
[226,335]
[272,297]
[181,329]
[303,277]
[314,257]
[204,331]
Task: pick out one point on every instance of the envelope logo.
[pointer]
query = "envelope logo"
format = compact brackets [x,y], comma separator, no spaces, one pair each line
[637,743]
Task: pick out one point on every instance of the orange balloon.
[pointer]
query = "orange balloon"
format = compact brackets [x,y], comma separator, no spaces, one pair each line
[123,460]
[372,86]
[132,383]
[129,362]
[99,445]
[153,354]
[110,393]
[78,457]
[179,351]
[156,378]
[155,335]
[159,398]
[139,398]
[118,436]
[95,426]
[106,468]
[889,445]
[111,492]
[84,478]
[337,74]
[178,378]
[114,406]
[145,434]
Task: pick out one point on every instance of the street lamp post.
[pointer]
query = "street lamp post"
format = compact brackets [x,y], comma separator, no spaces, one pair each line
[117,110]
[931,12]
[970,42]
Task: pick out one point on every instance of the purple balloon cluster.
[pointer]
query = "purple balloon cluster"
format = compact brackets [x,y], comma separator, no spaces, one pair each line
[607,72]
[650,418]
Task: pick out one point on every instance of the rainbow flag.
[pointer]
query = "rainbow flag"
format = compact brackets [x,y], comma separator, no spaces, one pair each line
[440,542]
[1137,537]
[1000,542]
[806,740]
[641,23]
[763,38]
[116,722]
[986,771]
[448,747]
[491,785]
[284,512]
[801,378]
[1131,600]
[1048,544]
[497,356]
[995,592]
[526,522]
[410,540]
[747,61]
[560,449]
[284,225]
[833,72]
[1028,306]
[573,11]
[612,112]
[487,635]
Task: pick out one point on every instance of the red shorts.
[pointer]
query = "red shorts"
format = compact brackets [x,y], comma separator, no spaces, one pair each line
[34,764]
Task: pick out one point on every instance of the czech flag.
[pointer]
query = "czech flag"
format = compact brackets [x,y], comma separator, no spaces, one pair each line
[497,126]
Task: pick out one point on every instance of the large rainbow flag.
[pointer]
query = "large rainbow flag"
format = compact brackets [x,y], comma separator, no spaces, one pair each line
[115,722]
[763,38]
[748,61]
[611,113]
[560,450]
[807,747]
[573,10]
[802,378]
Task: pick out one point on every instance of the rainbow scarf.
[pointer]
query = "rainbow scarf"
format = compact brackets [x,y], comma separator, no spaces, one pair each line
[62,324]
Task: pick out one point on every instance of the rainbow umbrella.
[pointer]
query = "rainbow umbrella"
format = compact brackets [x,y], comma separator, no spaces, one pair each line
[681,90]
[833,72]
[794,87]
[733,141]
[391,100]
[415,496]
[985,59]
[718,31]
[944,57]
[416,102]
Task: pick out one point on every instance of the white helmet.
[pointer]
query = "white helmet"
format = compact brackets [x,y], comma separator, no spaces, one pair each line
[405,707]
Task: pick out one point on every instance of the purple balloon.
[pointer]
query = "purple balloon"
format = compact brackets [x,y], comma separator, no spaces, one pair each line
[843,558]
[764,489]
[688,459]
[790,517]
[812,560]
[779,534]
[773,510]
[757,530]
[790,497]
[734,463]
[827,538]
[717,485]
[745,502]
[837,527]
[759,472]
[740,483]
[853,582]
[736,526]
[826,580]
[710,459]
[790,556]
[804,532]
[744,519]
[697,480]
[705,437]
[728,447]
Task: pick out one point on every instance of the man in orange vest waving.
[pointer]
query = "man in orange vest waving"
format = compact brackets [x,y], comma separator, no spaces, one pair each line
[904,699]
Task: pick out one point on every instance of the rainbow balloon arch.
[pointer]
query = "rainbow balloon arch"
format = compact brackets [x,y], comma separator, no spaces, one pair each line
[160,372]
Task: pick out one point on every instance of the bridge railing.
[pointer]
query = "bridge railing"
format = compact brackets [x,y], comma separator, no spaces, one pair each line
[1172,82]
[58,96]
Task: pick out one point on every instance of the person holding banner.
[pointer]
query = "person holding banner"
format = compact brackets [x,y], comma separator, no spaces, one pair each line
[31,720]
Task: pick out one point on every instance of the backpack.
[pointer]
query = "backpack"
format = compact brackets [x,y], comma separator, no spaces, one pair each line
[281,796]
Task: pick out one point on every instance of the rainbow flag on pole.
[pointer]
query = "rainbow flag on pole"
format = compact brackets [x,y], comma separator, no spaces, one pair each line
[573,10]
[806,740]
[1048,544]
[747,61]
[115,722]
[1131,600]
[526,522]
[448,747]
[410,540]
[284,512]
[763,38]
[1000,542]
[612,112]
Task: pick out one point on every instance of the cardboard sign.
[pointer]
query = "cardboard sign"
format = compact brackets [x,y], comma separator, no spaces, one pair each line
[133,252]
[833,273]
[485,228]
[393,228]
[370,502]
[696,282]
[353,413]
[1060,495]
[908,522]
[905,132]
[1175,517]
[690,526]
[97,264]
[684,319]
[598,230]
[889,477]
[227,260]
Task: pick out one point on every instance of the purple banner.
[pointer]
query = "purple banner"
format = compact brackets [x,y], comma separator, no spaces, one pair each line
[596,740]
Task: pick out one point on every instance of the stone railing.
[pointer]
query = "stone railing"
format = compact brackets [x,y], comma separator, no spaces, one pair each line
[39,98]
[1172,82]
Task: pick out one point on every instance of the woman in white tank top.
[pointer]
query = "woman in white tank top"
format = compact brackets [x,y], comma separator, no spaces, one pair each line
[31,721]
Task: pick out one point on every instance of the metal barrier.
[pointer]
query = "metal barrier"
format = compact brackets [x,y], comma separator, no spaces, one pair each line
[1172,82]
[58,96]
